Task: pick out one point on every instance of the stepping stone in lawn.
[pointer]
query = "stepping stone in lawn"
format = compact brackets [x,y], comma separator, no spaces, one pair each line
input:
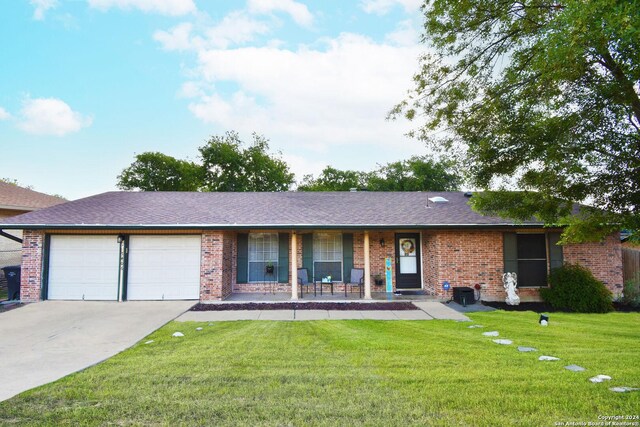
[599,378]
[149,342]
[177,334]
[198,329]
[527,349]
[548,358]
[475,326]
[503,342]
[624,389]
[575,368]
[491,334]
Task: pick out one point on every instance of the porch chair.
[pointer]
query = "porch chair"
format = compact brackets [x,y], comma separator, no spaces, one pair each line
[303,280]
[356,279]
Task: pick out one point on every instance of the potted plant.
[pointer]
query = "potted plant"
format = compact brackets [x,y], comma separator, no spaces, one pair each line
[377,279]
[269,268]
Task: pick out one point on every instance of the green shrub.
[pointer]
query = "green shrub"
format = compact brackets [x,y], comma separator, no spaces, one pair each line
[573,288]
[631,291]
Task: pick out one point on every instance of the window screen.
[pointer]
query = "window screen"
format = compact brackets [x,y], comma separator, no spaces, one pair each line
[327,256]
[263,252]
[532,260]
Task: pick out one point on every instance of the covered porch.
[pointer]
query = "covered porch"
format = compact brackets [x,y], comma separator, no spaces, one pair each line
[321,264]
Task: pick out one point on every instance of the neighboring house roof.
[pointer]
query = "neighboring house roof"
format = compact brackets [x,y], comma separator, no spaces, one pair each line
[13,197]
[138,210]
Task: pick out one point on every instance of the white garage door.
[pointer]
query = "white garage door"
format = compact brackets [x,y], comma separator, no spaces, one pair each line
[164,267]
[83,267]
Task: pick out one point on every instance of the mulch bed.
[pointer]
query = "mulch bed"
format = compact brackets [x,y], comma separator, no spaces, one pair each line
[541,307]
[626,308]
[348,306]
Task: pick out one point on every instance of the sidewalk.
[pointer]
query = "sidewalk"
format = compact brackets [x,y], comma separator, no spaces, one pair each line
[427,311]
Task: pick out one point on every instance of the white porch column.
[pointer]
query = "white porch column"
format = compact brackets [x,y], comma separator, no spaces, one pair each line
[294,266]
[367,267]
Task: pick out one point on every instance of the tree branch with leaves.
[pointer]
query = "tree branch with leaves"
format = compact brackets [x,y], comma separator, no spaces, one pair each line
[543,96]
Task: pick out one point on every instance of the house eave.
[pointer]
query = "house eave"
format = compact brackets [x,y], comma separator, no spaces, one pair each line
[139,227]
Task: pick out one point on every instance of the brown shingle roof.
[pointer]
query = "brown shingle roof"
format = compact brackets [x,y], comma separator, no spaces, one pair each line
[229,210]
[20,198]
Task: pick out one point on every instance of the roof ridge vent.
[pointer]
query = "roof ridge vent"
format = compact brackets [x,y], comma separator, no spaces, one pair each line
[438,199]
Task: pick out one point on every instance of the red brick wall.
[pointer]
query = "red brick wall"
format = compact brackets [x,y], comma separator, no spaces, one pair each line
[216,265]
[462,258]
[377,255]
[430,263]
[31,272]
[604,259]
[466,258]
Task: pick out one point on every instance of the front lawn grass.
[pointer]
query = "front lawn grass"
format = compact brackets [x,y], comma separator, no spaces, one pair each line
[387,373]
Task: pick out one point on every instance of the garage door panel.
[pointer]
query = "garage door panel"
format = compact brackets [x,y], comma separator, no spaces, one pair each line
[164,267]
[83,267]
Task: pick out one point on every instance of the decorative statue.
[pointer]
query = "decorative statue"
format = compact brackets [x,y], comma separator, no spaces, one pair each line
[510,281]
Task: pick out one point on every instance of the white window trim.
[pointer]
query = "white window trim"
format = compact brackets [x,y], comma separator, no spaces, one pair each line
[313,273]
[275,262]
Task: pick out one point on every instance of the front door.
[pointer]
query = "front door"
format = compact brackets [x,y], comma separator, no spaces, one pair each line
[408,270]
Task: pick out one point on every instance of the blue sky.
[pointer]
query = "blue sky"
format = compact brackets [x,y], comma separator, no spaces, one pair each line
[86,85]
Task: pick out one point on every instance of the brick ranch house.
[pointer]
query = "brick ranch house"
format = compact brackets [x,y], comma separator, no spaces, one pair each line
[208,246]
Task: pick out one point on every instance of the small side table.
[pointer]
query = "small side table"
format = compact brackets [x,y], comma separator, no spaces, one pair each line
[325,282]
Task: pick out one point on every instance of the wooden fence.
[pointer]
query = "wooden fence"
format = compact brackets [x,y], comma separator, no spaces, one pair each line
[630,262]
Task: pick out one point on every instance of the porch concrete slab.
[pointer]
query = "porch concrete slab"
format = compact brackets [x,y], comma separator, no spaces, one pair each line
[440,311]
[311,315]
[219,316]
[378,315]
[345,315]
[276,315]
[412,315]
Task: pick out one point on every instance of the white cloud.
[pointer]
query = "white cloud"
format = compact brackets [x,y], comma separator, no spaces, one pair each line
[404,35]
[177,38]
[382,7]
[316,99]
[298,11]
[236,28]
[303,165]
[190,90]
[4,114]
[162,7]
[50,116]
[41,7]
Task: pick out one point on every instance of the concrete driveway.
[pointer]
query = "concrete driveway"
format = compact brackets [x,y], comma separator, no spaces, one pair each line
[42,342]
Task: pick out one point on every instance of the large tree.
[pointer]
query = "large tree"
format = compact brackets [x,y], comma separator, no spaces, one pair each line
[229,166]
[414,174]
[540,97]
[226,165]
[153,171]
[332,179]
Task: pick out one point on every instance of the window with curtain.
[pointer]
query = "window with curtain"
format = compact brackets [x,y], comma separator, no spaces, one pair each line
[327,256]
[532,260]
[263,252]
